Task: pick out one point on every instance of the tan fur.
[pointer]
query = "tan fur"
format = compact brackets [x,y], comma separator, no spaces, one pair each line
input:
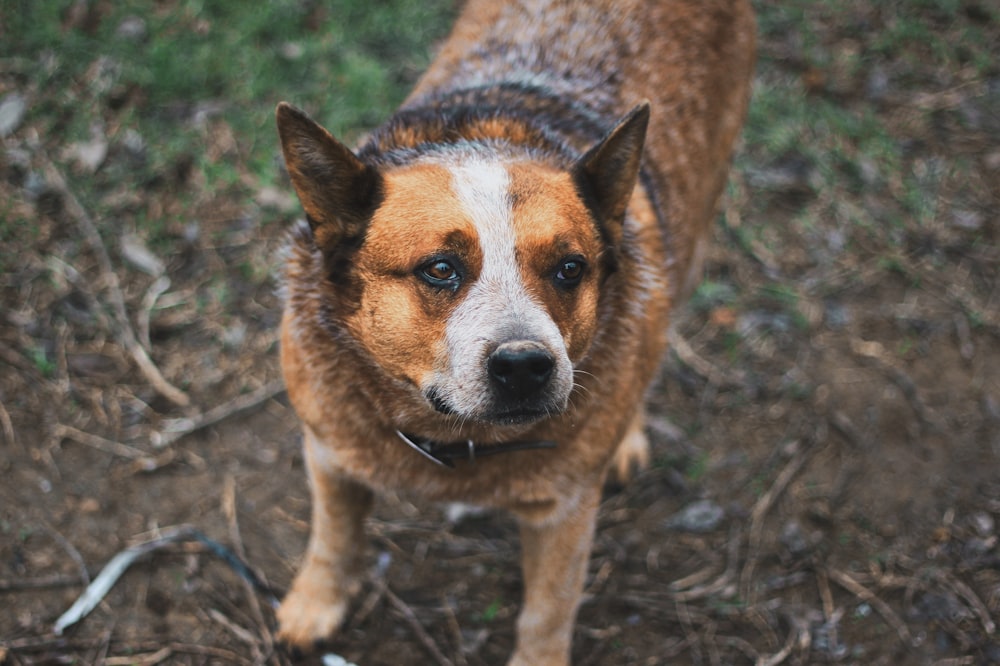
[363,336]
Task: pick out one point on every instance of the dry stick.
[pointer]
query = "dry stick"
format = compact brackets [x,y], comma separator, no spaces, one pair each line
[702,366]
[785,650]
[690,635]
[111,573]
[175,429]
[741,645]
[125,333]
[876,352]
[963,590]
[159,286]
[823,584]
[955,661]
[456,631]
[71,550]
[61,431]
[150,659]
[727,577]
[760,510]
[57,580]
[8,428]
[861,592]
[229,510]
[225,656]
[418,629]
[236,630]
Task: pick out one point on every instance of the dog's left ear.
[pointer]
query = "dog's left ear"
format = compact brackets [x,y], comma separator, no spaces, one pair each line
[337,190]
[607,173]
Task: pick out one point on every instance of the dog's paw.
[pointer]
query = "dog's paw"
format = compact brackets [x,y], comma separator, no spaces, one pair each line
[306,617]
[632,455]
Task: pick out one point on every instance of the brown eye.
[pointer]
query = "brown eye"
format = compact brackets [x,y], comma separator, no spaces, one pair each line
[440,273]
[570,272]
[440,270]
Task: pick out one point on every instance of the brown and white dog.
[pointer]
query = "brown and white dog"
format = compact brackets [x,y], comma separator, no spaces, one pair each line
[481,294]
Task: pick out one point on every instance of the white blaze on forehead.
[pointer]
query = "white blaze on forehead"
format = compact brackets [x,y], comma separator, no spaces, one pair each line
[482,190]
[497,307]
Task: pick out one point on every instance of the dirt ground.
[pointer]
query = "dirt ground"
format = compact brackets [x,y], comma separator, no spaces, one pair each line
[826,484]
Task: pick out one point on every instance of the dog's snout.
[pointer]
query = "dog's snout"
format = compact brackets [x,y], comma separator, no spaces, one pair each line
[519,369]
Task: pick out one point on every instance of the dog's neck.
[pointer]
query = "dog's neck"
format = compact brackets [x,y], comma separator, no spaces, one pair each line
[446,453]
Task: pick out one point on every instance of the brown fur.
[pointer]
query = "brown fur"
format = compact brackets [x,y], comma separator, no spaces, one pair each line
[361,334]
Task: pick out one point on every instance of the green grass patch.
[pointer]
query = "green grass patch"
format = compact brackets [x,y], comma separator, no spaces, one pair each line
[192,64]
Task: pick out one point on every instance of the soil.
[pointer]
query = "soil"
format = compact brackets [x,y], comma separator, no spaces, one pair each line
[825,489]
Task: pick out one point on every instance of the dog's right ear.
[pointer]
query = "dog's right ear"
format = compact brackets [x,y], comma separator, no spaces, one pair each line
[338,192]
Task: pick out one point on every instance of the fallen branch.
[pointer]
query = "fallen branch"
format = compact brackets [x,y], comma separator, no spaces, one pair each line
[263,637]
[57,580]
[61,431]
[723,581]
[114,569]
[418,629]
[864,594]
[7,426]
[760,510]
[966,592]
[150,659]
[175,429]
[703,367]
[126,334]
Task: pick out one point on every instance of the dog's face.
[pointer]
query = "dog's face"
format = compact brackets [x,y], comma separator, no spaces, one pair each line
[474,281]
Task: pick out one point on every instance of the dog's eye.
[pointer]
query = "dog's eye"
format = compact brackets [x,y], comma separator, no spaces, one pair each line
[440,273]
[570,272]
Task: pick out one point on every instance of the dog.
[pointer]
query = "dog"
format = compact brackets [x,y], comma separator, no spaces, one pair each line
[479,296]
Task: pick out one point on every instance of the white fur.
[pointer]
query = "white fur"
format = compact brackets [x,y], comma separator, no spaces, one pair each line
[497,307]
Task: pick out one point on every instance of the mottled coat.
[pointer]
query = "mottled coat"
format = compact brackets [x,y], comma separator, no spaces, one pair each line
[497,264]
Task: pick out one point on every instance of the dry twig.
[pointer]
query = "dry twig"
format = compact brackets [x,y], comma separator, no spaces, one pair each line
[703,367]
[57,580]
[723,581]
[61,431]
[125,332]
[966,592]
[863,593]
[148,659]
[760,510]
[175,429]
[71,550]
[8,428]
[411,619]
[229,510]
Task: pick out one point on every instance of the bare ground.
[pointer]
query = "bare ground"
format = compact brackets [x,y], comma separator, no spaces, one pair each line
[834,422]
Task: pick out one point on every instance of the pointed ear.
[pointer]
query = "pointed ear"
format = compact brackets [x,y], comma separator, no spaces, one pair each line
[338,192]
[607,173]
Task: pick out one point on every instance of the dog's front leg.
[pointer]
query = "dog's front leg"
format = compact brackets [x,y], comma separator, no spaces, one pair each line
[331,571]
[556,550]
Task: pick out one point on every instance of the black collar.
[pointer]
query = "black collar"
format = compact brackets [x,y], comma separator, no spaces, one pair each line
[445,453]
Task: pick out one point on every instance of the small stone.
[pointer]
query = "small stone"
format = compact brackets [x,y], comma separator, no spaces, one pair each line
[983,523]
[793,538]
[90,155]
[701,516]
[970,220]
[132,28]
[13,106]
[135,252]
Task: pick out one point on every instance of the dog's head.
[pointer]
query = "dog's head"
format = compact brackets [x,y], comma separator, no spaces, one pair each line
[472,279]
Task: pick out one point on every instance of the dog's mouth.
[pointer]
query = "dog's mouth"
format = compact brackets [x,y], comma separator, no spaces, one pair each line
[439,404]
[496,415]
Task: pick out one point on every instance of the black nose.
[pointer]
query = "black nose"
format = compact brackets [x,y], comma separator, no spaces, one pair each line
[521,368]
